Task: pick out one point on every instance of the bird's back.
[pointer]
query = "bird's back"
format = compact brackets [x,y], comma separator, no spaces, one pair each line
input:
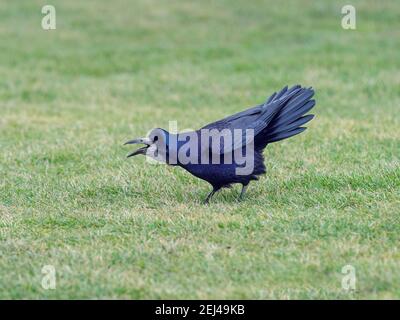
[280,117]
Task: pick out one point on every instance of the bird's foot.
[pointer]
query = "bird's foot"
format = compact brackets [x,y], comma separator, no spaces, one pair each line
[207,201]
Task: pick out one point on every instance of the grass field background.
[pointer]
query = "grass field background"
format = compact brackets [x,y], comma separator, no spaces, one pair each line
[118,228]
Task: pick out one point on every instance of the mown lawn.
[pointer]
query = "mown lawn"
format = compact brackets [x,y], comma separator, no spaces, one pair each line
[118,228]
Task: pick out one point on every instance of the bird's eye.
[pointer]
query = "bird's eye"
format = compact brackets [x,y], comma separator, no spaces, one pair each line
[155,139]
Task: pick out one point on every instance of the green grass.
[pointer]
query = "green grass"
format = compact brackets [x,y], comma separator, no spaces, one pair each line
[118,228]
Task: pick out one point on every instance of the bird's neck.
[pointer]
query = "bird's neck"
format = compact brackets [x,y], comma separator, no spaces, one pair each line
[183,149]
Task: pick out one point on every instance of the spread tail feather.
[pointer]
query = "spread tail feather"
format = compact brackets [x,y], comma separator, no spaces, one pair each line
[288,121]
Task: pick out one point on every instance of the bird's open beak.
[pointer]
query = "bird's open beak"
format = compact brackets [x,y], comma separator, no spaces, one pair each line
[142,150]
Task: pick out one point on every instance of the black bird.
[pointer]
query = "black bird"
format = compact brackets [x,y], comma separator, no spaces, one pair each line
[280,117]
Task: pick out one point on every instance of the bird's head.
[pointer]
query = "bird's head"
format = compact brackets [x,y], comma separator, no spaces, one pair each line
[156,145]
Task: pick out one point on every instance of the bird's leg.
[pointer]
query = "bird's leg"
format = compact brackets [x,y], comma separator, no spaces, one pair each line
[244,188]
[210,195]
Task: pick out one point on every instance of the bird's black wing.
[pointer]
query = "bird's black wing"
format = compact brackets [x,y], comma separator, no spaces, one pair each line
[255,119]
[227,122]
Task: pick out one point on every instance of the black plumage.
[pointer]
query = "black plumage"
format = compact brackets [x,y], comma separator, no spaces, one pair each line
[281,116]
